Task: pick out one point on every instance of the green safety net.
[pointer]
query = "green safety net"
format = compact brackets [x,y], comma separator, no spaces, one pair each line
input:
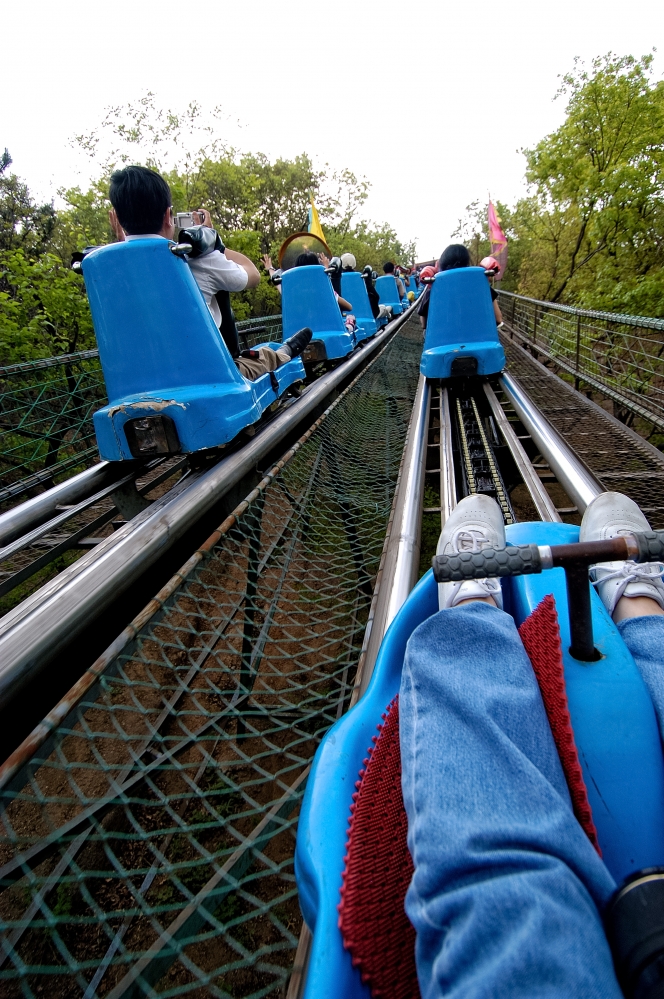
[147,845]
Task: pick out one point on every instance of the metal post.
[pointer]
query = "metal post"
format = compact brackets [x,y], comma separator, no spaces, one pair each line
[253,521]
[535,327]
[578,350]
[580,614]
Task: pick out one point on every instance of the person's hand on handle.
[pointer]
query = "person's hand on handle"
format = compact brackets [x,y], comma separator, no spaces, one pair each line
[325,261]
[115,226]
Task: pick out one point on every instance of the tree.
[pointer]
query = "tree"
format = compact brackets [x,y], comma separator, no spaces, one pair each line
[598,178]
[23,223]
[591,229]
[43,309]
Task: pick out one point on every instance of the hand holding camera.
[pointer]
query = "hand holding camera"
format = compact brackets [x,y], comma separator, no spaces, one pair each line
[185,220]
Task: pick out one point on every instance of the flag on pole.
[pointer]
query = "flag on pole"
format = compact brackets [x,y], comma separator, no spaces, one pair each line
[498,240]
[314,222]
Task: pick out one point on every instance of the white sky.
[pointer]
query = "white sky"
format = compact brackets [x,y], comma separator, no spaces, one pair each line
[430,101]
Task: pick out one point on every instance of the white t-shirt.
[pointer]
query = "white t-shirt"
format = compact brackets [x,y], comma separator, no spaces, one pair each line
[213,272]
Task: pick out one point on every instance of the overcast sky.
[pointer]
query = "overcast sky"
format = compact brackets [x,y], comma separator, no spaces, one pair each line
[430,101]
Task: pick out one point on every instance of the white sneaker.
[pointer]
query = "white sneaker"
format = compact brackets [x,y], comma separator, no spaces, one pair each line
[611,515]
[475,523]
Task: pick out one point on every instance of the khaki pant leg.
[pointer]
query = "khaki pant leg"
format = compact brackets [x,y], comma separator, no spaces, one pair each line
[267,360]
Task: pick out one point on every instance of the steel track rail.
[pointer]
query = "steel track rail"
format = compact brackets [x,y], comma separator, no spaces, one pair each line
[39,509]
[574,476]
[44,624]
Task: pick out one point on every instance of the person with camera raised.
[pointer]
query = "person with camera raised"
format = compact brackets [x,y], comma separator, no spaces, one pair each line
[142,209]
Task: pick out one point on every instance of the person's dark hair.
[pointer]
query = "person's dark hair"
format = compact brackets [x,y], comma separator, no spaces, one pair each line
[140,198]
[388,268]
[306,259]
[455,255]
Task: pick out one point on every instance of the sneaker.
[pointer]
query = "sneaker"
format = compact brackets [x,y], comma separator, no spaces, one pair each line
[611,515]
[475,523]
[296,343]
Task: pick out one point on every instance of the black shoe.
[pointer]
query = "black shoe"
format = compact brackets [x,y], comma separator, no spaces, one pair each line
[296,343]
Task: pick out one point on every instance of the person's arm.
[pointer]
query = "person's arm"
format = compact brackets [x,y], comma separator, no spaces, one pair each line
[400,288]
[253,276]
[496,311]
[344,305]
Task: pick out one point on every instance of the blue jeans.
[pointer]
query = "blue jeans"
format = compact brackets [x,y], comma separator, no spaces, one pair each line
[507,891]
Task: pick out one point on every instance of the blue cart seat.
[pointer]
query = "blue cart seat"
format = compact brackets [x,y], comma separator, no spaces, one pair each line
[461,336]
[162,354]
[411,285]
[307,299]
[354,290]
[388,293]
[615,730]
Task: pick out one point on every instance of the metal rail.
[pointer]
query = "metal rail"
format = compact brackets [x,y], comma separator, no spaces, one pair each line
[398,572]
[36,630]
[544,505]
[35,511]
[575,477]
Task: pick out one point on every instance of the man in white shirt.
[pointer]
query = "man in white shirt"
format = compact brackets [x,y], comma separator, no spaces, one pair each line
[142,209]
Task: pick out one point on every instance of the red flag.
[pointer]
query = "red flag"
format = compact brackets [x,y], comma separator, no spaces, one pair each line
[498,241]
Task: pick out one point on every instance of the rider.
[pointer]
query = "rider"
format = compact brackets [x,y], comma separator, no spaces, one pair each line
[457,255]
[508,891]
[388,268]
[378,311]
[142,209]
[308,259]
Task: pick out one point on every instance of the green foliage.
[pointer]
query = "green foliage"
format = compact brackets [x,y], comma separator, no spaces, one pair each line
[591,229]
[23,223]
[370,244]
[255,203]
[43,309]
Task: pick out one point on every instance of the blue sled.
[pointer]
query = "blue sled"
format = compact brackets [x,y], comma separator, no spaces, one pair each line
[461,336]
[307,299]
[615,731]
[163,356]
[354,290]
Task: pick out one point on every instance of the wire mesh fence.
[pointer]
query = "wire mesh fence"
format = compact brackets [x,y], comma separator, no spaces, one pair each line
[148,828]
[46,421]
[46,408]
[622,356]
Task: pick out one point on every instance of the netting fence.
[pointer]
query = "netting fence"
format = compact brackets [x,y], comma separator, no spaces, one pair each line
[148,832]
[622,356]
[46,408]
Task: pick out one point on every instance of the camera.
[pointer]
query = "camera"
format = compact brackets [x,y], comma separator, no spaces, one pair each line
[185,220]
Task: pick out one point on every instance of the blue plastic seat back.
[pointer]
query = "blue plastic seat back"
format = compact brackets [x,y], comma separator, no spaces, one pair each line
[354,290]
[308,300]
[388,292]
[154,330]
[460,309]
